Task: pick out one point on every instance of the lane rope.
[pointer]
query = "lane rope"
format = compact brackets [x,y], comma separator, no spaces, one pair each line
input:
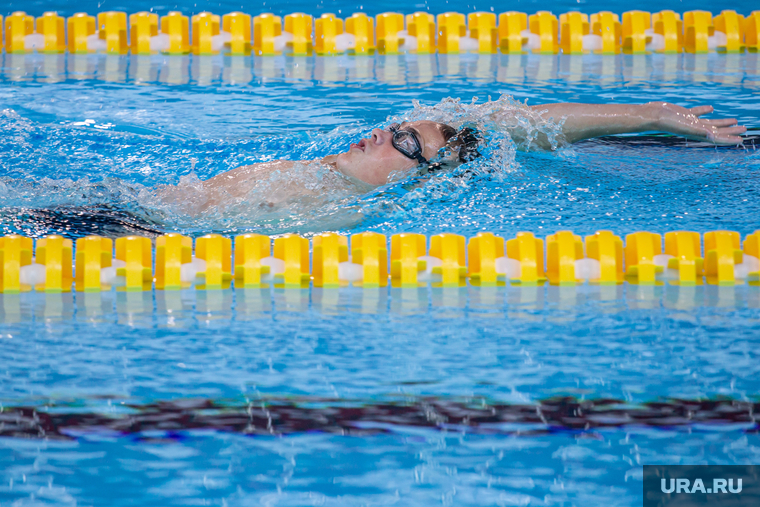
[214,262]
[299,34]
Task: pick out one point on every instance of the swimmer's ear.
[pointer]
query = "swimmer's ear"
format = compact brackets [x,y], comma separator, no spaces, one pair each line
[461,147]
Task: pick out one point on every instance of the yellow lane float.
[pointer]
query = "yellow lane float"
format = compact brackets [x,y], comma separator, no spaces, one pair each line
[368,260]
[511,32]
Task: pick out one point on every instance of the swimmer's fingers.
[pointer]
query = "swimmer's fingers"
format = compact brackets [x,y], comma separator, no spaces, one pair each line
[739,129]
[700,110]
[723,122]
[728,135]
[728,140]
[686,122]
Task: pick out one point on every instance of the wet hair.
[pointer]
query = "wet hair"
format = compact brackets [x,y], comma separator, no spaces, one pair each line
[464,142]
[447,131]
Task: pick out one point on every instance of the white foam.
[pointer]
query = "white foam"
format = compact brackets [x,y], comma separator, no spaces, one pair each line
[588,269]
[534,41]
[592,42]
[32,274]
[345,41]
[281,41]
[276,267]
[430,262]
[34,41]
[656,43]
[408,43]
[718,40]
[160,42]
[95,43]
[468,44]
[118,281]
[108,275]
[86,123]
[427,274]
[750,264]
[662,260]
[189,271]
[511,268]
[350,272]
[218,41]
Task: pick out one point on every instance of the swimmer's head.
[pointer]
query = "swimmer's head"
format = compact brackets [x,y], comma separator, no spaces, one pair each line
[372,160]
[461,147]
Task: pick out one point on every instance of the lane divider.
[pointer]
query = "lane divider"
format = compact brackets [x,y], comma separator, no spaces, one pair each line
[299,34]
[329,260]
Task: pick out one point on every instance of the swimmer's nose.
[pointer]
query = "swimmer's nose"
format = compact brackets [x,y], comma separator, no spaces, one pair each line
[378,136]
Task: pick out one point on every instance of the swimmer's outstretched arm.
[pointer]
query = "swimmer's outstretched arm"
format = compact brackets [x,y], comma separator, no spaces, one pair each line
[584,121]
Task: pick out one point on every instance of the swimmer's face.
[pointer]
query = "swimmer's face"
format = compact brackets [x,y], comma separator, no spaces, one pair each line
[372,160]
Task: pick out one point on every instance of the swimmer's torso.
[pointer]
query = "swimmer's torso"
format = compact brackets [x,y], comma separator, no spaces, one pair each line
[265,186]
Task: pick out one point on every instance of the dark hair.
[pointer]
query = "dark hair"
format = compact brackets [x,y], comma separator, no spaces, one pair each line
[464,142]
[447,131]
[467,140]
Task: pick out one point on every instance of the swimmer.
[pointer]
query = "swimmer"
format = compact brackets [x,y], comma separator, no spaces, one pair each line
[403,147]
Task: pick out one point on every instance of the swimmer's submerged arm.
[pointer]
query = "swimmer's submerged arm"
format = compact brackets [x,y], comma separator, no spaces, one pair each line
[585,121]
[237,183]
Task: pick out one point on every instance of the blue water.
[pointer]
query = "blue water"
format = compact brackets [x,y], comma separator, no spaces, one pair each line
[413,397]
[104,123]
[152,368]
[344,8]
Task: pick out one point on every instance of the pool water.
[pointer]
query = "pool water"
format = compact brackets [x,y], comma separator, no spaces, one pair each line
[105,138]
[470,396]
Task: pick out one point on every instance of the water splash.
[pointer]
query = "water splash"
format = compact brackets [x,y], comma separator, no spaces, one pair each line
[309,197]
[505,125]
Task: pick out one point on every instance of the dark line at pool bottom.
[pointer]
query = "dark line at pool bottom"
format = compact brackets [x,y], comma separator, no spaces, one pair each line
[286,417]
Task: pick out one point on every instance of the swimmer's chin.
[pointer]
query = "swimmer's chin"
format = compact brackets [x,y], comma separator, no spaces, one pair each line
[361,185]
[338,164]
[364,180]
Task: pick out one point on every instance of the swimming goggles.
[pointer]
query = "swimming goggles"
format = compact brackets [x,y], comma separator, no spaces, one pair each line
[407,143]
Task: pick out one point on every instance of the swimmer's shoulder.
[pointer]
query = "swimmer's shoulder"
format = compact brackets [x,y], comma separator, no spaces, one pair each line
[272,165]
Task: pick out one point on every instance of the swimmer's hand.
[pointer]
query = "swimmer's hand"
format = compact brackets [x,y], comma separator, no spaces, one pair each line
[687,123]
[585,121]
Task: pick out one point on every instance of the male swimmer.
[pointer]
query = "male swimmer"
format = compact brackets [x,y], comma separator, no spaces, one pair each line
[403,147]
